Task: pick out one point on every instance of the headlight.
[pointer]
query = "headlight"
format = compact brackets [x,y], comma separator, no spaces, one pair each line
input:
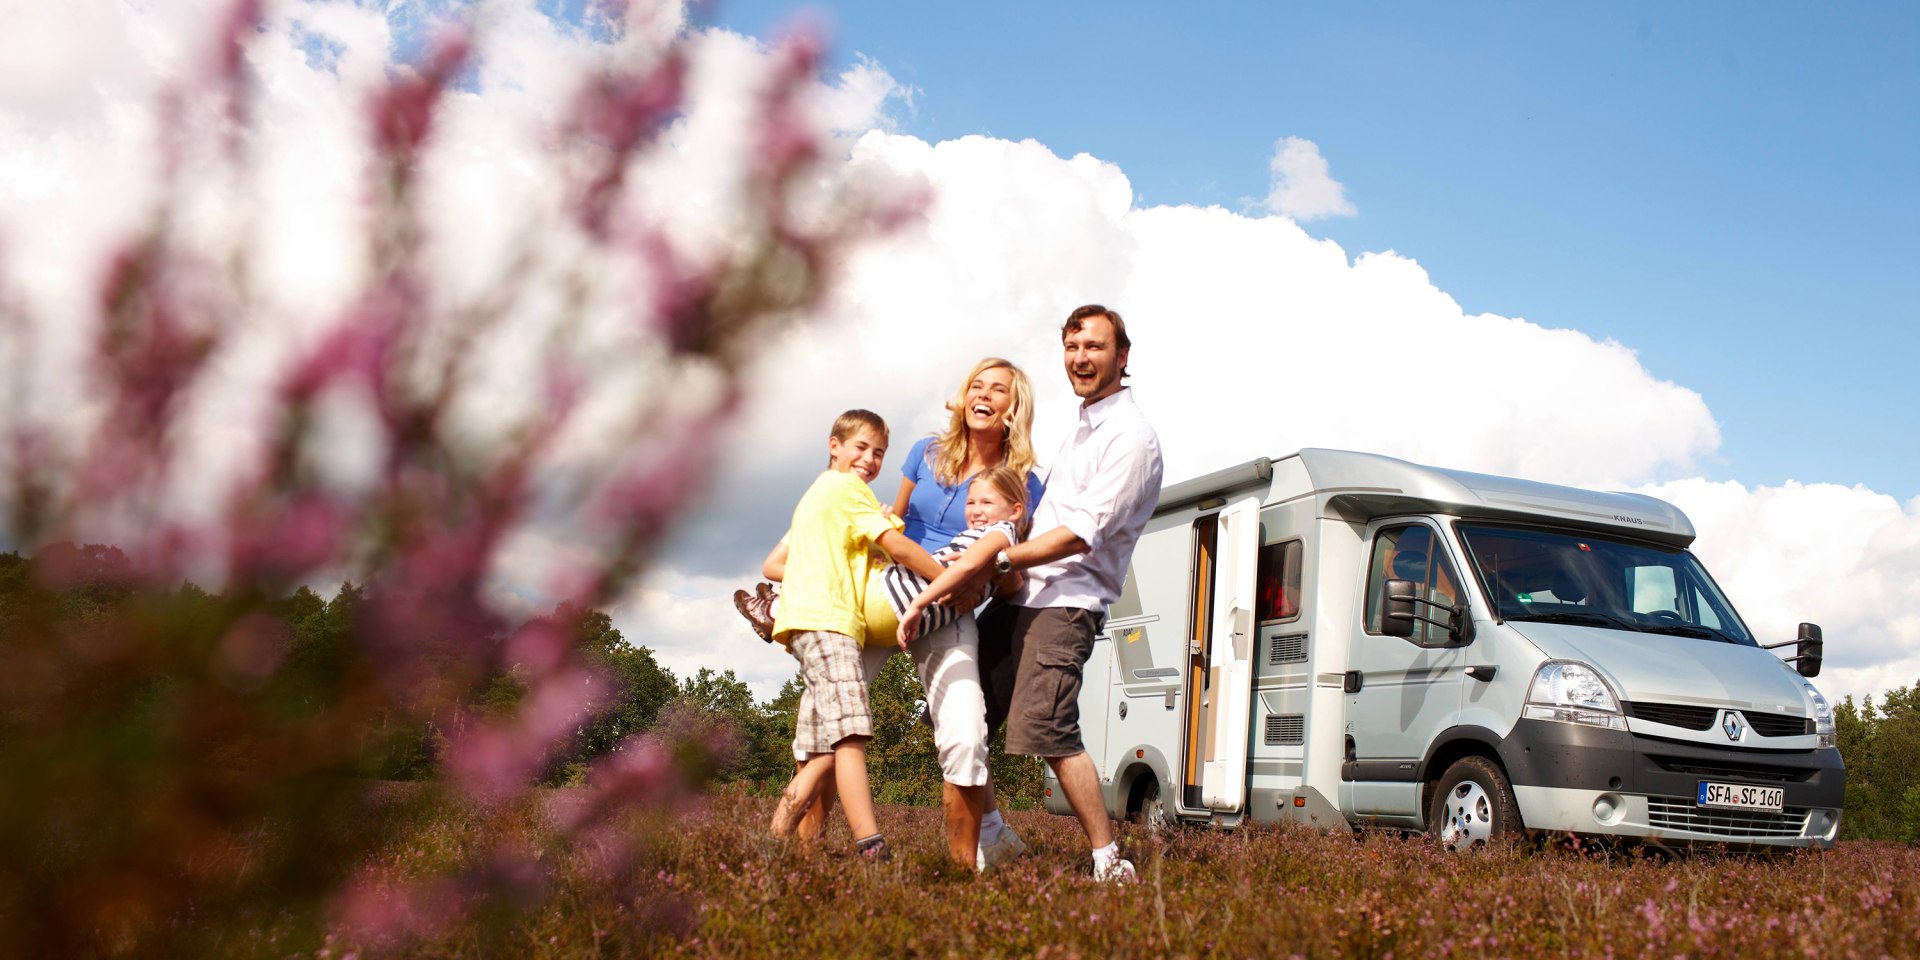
[1573,693]
[1822,715]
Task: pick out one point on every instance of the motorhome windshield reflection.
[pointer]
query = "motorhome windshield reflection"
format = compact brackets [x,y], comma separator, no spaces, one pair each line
[1555,576]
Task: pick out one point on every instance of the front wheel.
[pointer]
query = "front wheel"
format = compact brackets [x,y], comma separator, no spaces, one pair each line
[1472,805]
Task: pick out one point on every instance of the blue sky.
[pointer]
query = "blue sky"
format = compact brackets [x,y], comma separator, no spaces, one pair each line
[1728,189]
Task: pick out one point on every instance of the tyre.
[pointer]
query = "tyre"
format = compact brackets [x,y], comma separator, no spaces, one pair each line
[1472,806]
[1145,806]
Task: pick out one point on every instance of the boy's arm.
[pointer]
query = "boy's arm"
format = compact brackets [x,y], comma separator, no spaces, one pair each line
[961,573]
[909,554]
[775,566]
[906,494]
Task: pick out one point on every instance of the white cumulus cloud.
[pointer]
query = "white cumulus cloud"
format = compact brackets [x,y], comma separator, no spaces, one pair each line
[1846,558]
[1252,337]
[1302,189]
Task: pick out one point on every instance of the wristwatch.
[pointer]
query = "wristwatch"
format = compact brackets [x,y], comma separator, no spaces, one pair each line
[1002,563]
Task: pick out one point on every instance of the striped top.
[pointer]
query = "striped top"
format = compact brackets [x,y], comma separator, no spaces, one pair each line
[903,584]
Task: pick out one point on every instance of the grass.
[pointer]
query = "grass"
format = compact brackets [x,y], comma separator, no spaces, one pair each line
[711,884]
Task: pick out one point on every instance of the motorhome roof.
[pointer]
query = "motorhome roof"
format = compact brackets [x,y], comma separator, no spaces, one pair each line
[1361,486]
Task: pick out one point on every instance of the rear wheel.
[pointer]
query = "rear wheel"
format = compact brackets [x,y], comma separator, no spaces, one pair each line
[1472,806]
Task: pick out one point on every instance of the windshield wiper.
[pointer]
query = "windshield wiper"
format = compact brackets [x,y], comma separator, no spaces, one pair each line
[1591,619]
[1697,631]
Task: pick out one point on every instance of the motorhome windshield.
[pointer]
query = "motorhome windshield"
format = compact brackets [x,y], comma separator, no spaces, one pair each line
[1560,577]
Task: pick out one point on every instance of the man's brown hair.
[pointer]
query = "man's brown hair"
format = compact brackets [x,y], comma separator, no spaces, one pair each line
[1078,317]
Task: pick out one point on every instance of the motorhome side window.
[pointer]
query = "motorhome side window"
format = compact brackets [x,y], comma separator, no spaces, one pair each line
[1409,553]
[1279,582]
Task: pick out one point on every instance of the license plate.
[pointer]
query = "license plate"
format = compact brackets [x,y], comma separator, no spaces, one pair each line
[1740,797]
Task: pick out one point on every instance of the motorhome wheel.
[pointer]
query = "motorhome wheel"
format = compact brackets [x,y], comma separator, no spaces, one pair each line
[1146,807]
[1472,805]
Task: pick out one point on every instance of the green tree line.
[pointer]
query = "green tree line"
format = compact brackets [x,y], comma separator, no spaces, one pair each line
[744,740]
[1881,745]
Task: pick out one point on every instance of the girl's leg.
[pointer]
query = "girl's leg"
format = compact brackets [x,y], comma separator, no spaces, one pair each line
[948,664]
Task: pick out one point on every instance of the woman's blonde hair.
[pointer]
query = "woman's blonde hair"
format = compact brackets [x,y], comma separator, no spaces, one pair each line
[955,442]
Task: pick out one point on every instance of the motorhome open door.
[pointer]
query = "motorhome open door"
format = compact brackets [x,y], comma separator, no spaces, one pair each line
[1223,779]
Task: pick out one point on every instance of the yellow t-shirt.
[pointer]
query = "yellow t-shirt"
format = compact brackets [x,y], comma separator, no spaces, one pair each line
[832,549]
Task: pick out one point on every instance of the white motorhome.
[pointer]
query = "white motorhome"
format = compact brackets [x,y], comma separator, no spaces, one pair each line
[1341,638]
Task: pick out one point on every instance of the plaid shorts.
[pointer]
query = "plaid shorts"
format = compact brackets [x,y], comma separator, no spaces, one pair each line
[834,705]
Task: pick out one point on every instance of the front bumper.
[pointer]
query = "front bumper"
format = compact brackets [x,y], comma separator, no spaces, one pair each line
[1579,779]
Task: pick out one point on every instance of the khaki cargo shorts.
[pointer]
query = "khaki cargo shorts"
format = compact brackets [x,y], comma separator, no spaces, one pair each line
[1044,649]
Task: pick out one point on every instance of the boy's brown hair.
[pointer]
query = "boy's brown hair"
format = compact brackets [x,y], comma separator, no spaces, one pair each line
[852,421]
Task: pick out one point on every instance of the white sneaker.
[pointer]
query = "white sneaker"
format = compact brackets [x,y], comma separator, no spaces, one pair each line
[1117,870]
[1003,847]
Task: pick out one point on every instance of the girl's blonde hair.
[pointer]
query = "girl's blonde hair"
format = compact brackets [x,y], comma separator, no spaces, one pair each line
[956,444]
[1011,484]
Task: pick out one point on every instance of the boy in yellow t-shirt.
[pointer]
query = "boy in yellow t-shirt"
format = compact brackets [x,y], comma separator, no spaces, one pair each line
[822,621]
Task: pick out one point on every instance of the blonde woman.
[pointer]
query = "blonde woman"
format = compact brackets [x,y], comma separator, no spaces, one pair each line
[990,424]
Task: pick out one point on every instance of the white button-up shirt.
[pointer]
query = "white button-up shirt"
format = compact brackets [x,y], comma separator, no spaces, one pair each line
[1103,486]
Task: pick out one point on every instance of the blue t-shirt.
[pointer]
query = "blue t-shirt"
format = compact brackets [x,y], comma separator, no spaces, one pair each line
[936,513]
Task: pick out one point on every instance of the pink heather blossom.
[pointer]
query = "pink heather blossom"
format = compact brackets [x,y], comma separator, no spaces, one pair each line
[255,646]
[294,538]
[540,647]
[403,112]
[424,632]
[230,76]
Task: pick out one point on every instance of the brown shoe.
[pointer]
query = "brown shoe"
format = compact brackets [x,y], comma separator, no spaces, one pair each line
[755,609]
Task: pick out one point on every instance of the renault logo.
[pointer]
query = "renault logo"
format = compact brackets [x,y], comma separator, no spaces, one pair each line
[1730,722]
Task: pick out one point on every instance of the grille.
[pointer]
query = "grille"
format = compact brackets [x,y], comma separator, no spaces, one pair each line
[1675,715]
[1728,770]
[1672,813]
[1778,724]
[1288,649]
[1286,729]
[1688,717]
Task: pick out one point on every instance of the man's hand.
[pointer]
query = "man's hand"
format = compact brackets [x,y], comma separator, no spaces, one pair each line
[1009,583]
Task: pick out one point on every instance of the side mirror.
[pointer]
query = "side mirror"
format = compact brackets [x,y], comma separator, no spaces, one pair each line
[1811,650]
[1808,650]
[1397,616]
[1396,608]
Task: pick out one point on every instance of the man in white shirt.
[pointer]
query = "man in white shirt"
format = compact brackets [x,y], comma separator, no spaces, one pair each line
[1101,489]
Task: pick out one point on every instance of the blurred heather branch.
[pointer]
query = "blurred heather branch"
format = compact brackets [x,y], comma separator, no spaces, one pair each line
[181,763]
